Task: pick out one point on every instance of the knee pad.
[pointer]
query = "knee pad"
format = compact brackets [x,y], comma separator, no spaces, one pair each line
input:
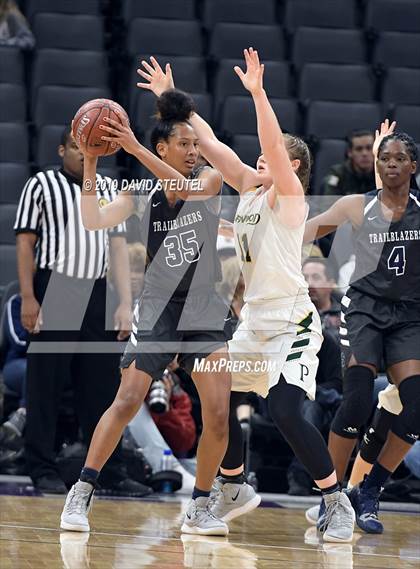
[356,407]
[407,425]
[376,434]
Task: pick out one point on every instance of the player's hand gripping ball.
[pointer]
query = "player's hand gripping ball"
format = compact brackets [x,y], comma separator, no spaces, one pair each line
[86,123]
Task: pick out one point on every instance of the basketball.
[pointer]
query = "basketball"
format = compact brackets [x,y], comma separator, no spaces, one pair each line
[86,125]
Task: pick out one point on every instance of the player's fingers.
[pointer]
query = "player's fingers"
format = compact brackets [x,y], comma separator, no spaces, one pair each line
[148,67]
[155,63]
[392,127]
[109,138]
[123,118]
[262,67]
[109,129]
[168,70]
[144,74]
[144,85]
[112,122]
[239,72]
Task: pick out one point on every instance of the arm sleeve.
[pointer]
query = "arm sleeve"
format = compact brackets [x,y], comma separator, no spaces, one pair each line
[28,216]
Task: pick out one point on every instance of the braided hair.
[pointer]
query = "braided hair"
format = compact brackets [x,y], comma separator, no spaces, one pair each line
[405,139]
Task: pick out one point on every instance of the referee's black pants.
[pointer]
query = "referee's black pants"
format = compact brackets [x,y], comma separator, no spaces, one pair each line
[79,306]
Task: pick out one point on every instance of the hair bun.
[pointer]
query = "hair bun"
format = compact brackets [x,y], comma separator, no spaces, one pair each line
[175,105]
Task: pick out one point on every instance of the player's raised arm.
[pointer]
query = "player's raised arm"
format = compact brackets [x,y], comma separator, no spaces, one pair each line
[385,130]
[285,181]
[347,208]
[237,174]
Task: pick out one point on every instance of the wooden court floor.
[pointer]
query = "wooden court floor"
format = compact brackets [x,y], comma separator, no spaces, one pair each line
[136,534]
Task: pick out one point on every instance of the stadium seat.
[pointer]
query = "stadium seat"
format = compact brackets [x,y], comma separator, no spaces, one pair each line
[326,13]
[145,109]
[13,177]
[68,31]
[247,147]
[392,15]
[162,9]
[401,86]
[33,7]
[189,73]
[325,82]
[328,153]
[276,79]
[12,102]
[153,36]
[11,65]
[394,48]
[229,40]
[317,45]
[58,104]
[238,115]
[7,220]
[408,120]
[69,67]
[47,142]
[8,265]
[239,11]
[13,142]
[327,119]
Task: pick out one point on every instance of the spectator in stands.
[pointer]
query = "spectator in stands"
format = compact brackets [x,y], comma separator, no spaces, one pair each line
[320,279]
[69,282]
[14,29]
[14,369]
[356,174]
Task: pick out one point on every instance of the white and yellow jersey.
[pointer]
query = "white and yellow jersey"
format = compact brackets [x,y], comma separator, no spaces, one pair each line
[271,253]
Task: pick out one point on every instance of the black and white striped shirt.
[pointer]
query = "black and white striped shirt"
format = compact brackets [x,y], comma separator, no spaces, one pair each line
[50,207]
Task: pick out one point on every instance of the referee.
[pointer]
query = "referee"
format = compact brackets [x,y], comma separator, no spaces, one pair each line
[62,269]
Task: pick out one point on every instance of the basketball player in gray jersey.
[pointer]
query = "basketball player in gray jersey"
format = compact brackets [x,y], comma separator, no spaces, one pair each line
[179,310]
[380,316]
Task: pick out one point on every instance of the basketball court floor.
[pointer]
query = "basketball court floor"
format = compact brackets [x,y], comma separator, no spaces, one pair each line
[132,534]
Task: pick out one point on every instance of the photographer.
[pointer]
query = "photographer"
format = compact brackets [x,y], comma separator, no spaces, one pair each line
[171,427]
[170,408]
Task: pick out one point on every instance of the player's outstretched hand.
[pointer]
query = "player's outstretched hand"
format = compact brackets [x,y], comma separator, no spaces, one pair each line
[158,80]
[385,130]
[120,133]
[252,79]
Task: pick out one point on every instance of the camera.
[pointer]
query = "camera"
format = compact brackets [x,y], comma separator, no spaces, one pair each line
[158,399]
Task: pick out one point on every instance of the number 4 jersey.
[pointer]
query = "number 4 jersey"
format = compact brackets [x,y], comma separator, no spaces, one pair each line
[388,253]
[180,242]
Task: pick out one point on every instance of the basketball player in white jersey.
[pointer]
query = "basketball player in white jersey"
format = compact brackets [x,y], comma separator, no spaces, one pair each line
[274,350]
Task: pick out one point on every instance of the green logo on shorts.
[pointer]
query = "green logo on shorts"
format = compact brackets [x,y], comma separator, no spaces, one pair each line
[305,324]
